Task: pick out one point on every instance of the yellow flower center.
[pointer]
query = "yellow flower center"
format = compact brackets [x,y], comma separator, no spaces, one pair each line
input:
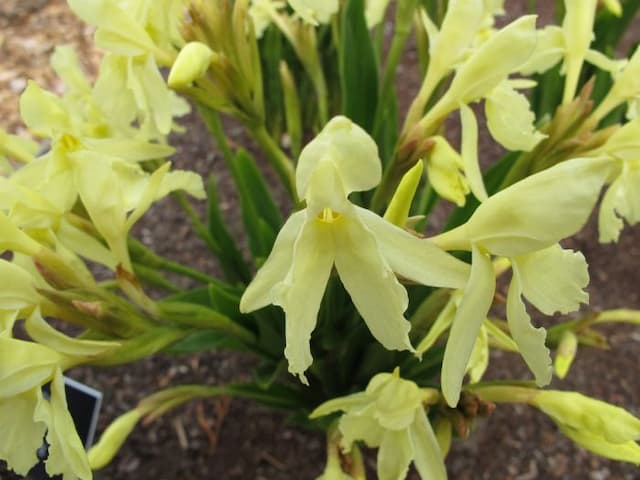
[328,216]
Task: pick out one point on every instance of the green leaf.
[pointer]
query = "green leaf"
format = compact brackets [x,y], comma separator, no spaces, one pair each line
[268,372]
[387,137]
[227,252]
[358,67]
[199,296]
[205,341]
[270,55]
[262,219]
[276,396]
[225,299]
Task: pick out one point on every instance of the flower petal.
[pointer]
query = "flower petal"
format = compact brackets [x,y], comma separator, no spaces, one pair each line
[21,436]
[360,426]
[395,455]
[469,152]
[503,53]
[473,309]
[346,403]
[428,457]
[609,223]
[530,340]
[302,290]
[67,456]
[553,279]
[534,213]
[414,258]
[16,287]
[510,119]
[350,148]
[374,289]
[275,268]
[24,365]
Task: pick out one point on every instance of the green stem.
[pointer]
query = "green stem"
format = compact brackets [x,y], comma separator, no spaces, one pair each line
[426,202]
[277,158]
[143,255]
[201,230]
[214,125]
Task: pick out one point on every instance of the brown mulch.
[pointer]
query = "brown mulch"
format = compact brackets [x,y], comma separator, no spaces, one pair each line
[239,440]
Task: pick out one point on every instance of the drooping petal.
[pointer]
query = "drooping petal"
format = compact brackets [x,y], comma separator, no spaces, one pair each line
[16,287]
[414,258]
[536,212]
[275,268]
[395,455]
[445,172]
[21,436]
[469,152]
[510,119]
[24,366]
[548,52]
[346,403]
[473,309]
[67,456]
[503,53]
[553,279]
[530,340]
[396,400]
[609,223]
[301,291]
[428,456]
[374,289]
[360,426]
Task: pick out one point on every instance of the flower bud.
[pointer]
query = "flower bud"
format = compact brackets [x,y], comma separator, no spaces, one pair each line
[112,439]
[398,210]
[567,349]
[192,63]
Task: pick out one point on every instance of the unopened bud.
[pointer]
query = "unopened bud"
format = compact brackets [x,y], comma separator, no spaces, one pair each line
[567,349]
[613,6]
[112,439]
[400,204]
[192,63]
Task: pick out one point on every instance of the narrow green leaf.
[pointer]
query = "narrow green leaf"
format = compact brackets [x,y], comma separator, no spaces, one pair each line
[205,341]
[261,217]
[359,68]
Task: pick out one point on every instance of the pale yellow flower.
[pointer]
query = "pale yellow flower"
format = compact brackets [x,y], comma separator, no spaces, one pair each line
[365,249]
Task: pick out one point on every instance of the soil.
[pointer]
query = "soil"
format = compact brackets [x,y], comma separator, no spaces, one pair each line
[236,439]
